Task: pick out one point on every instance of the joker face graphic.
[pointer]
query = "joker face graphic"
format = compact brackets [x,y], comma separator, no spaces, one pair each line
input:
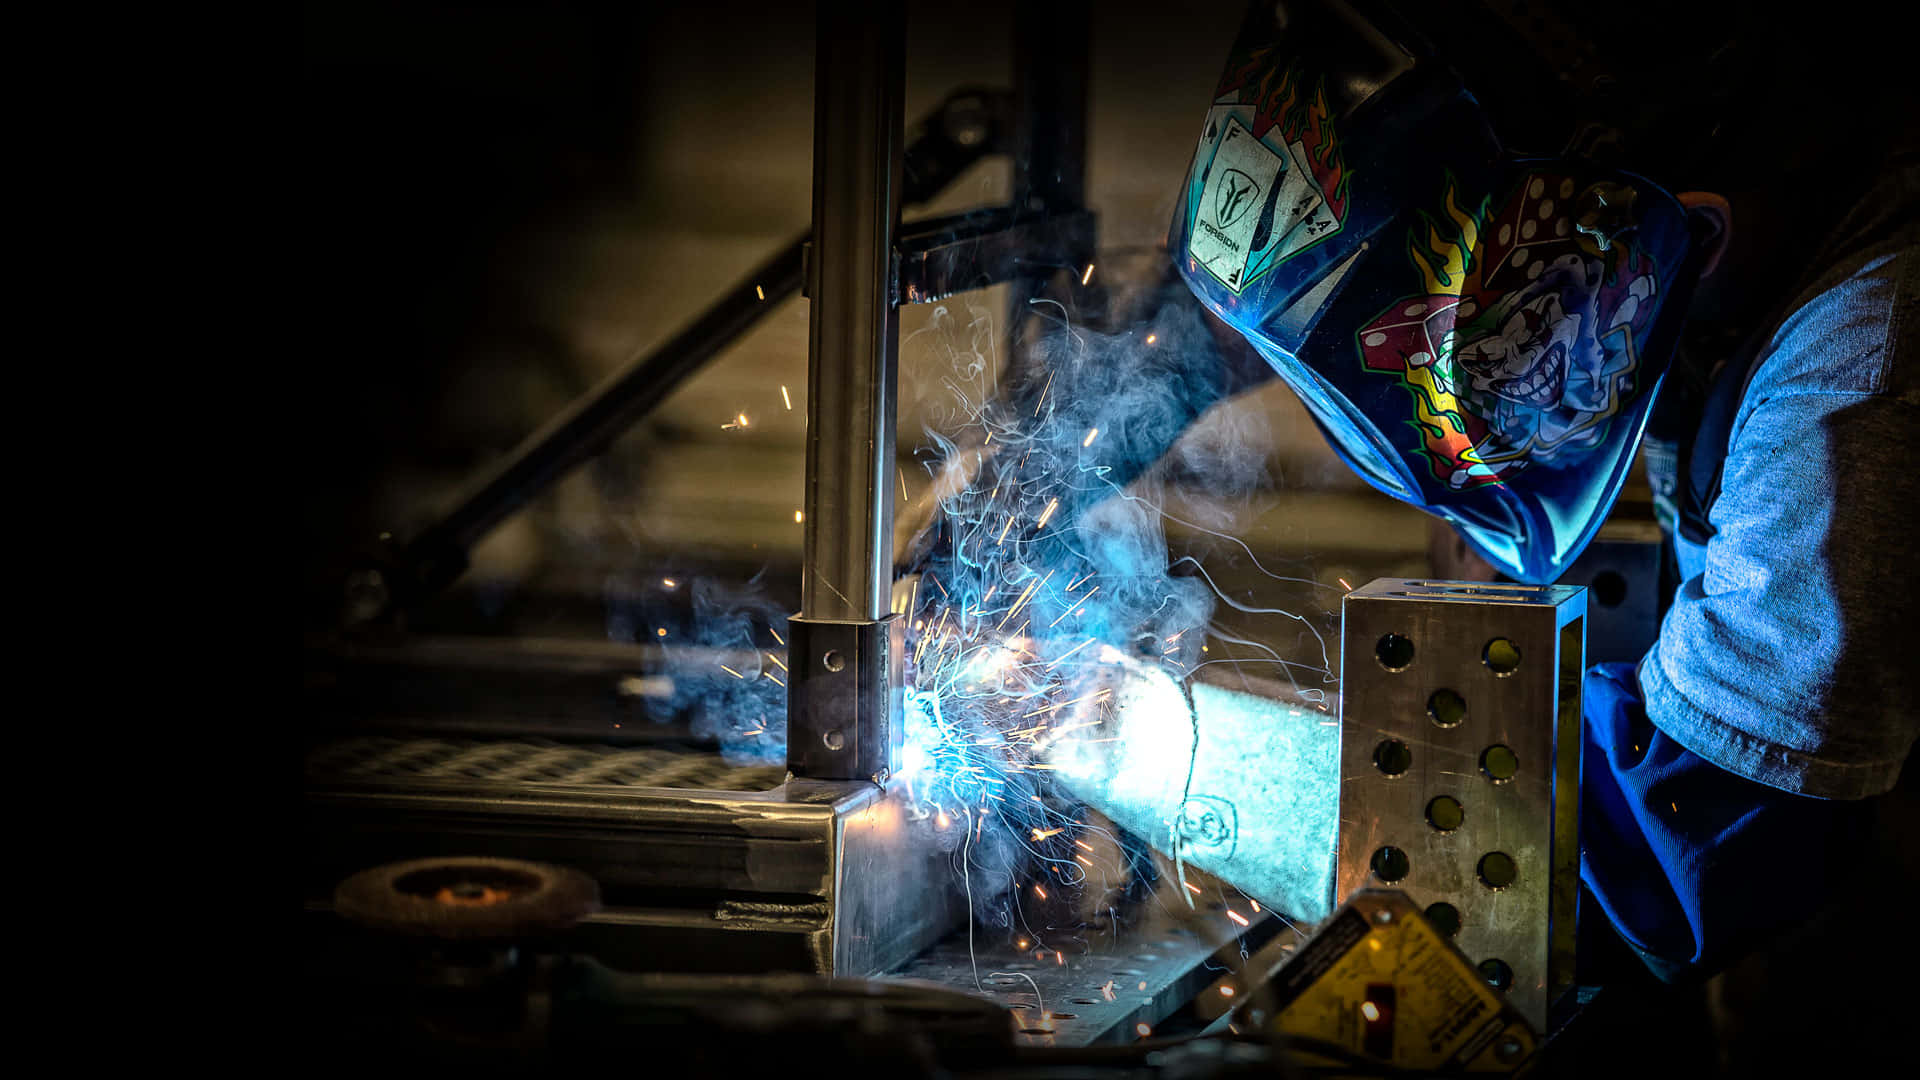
[1524,344]
[1530,346]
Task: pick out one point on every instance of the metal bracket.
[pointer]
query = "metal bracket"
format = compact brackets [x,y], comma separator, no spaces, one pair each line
[842,718]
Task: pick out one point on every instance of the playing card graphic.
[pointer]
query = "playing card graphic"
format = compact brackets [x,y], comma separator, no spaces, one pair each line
[1240,184]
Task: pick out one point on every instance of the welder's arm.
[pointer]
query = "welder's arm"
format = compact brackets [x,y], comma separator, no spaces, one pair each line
[1725,776]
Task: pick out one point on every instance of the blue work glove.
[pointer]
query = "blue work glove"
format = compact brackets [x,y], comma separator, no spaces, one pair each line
[1692,864]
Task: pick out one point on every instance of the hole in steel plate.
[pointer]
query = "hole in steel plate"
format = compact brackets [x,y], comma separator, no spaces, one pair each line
[1083,1001]
[1147,957]
[1128,971]
[1063,1016]
[1392,757]
[1394,652]
[1497,973]
[1036,1031]
[1497,870]
[1501,656]
[1609,588]
[1499,763]
[1389,863]
[1446,708]
[1445,813]
[1444,917]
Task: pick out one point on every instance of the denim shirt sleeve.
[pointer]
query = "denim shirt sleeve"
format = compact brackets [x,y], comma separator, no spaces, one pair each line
[1785,657]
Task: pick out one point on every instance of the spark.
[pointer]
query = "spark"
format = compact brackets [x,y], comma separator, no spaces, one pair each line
[1143,1029]
[1369,1010]
[1042,834]
[1040,892]
[1255,903]
[1191,887]
[1043,394]
[777,660]
[661,631]
[1151,338]
[1237,917]
[799,516]
[1070,652]
[669,582]
[776,635]
[760,292]
[1088,276]
[1106,990]
[1049,513]
[1343,584]
[1003,535]
[1083,843]
[1092,433]
[1071,611]
[731,672]
[1226,990]
[774,677]
[786,397]
[1081,580]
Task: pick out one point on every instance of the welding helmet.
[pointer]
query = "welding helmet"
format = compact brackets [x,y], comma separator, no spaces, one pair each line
[1478,332]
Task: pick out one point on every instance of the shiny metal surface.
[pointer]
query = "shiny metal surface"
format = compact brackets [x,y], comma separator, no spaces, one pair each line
[845,700]
[1239,785]
[853,343]
[821,877]
[1396,759]
[1141,965]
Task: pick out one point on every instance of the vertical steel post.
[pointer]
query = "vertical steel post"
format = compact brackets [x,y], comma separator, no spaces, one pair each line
[845,650]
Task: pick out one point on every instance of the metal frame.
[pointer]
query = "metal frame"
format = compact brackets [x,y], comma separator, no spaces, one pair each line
[820,873]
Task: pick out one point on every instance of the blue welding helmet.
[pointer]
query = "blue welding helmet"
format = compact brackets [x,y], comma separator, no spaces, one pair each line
[1477,332]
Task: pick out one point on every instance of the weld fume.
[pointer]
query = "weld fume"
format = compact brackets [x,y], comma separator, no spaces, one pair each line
[1049,567]
[722,650]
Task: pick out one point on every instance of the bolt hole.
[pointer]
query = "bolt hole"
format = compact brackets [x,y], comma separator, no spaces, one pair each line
[1609,588]
[1499,763]
[1497,870]
[1444,917]
[834,739]
[1389,863]
[1497,973]
[833,661]
[1445,813]
[1394,652]
[1446,708]
[1501,656]
[1392,757]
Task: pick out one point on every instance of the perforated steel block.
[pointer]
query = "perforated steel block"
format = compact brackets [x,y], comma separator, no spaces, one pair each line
[1460,767]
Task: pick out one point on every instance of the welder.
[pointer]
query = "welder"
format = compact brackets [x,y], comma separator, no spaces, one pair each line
[1459,233]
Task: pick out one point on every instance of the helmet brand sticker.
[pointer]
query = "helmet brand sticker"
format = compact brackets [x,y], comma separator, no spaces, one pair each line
[1239,185]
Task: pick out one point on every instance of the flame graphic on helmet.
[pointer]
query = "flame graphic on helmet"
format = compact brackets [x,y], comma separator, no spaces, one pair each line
[1445,261]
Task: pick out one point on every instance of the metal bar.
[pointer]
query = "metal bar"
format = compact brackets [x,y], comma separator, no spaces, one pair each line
[844,648]
[853,343]
[439,555]
[1051,46]
[969,125]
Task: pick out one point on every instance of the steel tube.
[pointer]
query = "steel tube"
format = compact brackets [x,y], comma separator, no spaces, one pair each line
[853,344]
[439,555]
